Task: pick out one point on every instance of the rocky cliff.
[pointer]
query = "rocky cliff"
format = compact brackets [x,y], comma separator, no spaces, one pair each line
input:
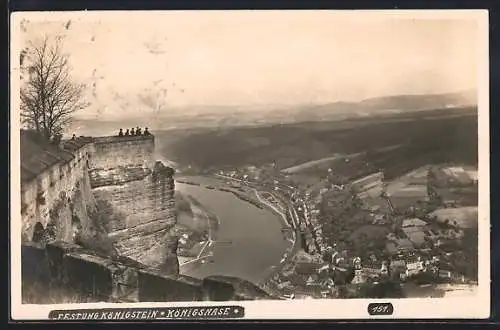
[136,213]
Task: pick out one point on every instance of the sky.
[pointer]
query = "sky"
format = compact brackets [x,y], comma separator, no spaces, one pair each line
[142,62]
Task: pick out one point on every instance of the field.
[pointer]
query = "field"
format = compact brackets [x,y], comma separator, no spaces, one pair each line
[396,143]
[465,217]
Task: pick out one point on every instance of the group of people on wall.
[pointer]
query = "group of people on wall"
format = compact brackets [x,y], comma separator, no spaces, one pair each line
[134,132]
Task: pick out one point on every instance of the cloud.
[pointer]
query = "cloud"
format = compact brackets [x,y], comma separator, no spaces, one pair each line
[256,58]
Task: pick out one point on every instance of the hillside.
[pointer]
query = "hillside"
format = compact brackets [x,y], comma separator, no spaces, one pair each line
[440,136]
[139,109]
[387,105]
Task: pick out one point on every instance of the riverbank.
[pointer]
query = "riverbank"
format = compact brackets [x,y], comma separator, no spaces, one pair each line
[244,225]
[248,198]
[213,221]
[289,226]
[196,227]
[241,195]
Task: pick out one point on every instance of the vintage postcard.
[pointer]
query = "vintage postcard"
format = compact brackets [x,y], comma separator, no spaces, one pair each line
[249,165]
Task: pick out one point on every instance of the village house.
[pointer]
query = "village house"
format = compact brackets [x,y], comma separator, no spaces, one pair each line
[397,266]
[359,277]
[371,272]
[414,266]
[374,269]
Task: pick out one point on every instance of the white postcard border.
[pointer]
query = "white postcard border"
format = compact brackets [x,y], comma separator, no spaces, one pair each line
[475,307]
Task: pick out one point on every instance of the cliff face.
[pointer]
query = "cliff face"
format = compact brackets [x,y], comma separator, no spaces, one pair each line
[73,211]
[137,213]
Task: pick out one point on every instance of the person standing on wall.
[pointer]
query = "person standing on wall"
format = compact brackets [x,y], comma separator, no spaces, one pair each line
[132,132]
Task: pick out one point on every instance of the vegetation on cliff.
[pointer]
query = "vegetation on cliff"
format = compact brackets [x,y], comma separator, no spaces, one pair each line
[182,204]
[95,236]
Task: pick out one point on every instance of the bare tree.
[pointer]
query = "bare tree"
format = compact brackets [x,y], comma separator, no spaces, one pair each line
[49,97]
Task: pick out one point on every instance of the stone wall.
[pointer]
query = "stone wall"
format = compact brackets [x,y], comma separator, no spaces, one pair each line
[112,152]
[49,197]
[75,269]
[153,286]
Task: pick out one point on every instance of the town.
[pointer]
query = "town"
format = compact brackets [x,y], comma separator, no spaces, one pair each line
[361,236]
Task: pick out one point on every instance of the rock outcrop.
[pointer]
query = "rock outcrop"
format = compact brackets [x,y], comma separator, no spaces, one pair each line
[137,213]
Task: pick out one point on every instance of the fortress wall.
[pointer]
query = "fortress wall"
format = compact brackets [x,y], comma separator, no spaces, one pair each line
[45,198]
[78,270]
[156,287]
[112,151]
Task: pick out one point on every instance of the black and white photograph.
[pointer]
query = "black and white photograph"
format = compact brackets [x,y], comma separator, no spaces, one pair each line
[300,164]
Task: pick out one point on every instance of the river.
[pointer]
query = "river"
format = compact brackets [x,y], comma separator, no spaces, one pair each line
[249,239]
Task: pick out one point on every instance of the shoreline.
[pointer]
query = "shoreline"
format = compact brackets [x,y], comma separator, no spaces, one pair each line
[290,252]
[246,198]
[236,193]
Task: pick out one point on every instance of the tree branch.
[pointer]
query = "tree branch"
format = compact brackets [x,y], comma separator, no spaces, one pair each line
[49,97]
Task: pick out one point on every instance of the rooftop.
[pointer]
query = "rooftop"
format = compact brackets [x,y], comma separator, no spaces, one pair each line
[75,144]
[37,155]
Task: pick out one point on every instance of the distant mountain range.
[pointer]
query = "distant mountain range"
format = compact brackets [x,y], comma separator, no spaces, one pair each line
[386,104]
[216,116]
